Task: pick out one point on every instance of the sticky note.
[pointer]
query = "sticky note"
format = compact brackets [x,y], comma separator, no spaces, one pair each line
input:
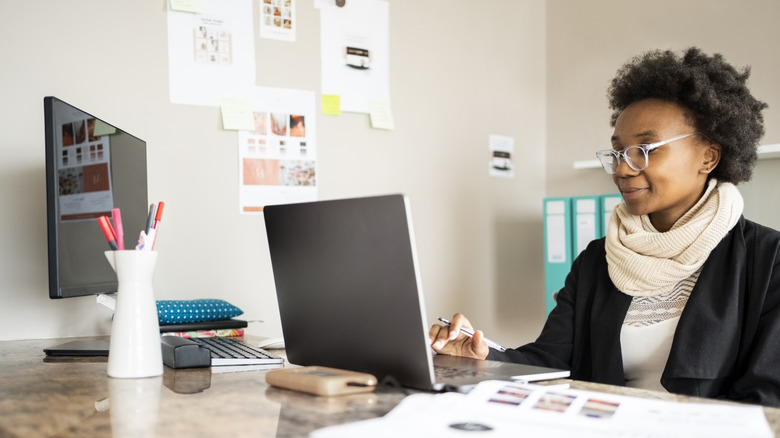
[237,114]
[195,6]
[331,104]
[381,115]
[102,128]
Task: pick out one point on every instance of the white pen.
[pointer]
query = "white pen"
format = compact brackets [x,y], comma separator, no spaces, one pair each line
[469,333]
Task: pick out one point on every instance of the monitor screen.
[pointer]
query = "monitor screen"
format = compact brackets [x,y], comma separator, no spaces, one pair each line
[91,167]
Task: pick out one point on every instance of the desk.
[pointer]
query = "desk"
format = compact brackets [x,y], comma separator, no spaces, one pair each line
[73,397]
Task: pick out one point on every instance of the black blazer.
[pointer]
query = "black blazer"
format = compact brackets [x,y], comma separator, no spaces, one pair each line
[727,342]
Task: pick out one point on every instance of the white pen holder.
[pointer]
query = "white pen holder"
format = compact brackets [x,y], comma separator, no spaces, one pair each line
[134,350]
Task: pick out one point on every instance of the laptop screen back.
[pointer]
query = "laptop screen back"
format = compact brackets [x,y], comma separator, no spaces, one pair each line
[347,286]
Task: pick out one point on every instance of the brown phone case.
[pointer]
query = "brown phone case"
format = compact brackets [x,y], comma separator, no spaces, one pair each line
[322,381]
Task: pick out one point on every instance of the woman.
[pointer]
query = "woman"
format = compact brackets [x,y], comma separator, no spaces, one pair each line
[683,293]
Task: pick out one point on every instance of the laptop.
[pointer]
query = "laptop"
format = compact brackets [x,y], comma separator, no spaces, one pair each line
[350,295]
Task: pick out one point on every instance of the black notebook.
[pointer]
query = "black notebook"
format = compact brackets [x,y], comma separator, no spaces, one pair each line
[222,324]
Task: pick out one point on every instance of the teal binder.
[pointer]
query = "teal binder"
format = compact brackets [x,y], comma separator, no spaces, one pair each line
[586,221]
[557,246]
[608,203]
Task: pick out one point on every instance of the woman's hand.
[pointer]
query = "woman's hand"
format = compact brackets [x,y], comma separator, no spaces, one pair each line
[449,339]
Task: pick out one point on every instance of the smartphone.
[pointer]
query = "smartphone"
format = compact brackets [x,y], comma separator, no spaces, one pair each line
[323,381]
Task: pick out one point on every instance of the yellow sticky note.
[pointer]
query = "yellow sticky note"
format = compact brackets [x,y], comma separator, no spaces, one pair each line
[195,6]
[102,128]
[237,114]
[381,115]
[331,104]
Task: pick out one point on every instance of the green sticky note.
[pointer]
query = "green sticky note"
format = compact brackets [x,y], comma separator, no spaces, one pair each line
[195,6]
[381,115]
[102,128]
[237,114]
[331,104]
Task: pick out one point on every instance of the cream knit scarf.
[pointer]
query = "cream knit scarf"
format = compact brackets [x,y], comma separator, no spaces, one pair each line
[645,262]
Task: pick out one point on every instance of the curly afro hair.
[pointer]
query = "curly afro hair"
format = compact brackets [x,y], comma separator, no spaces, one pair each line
[715,97]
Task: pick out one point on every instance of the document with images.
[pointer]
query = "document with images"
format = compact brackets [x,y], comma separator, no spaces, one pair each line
[278,157]
[355,53]
[210,53]
[502,149]
[277,20]
[506,409]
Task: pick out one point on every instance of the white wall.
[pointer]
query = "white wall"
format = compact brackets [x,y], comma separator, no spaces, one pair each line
[459,73]
[588,42]
[530,69]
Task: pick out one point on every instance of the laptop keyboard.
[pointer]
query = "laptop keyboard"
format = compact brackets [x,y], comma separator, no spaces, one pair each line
[232,351]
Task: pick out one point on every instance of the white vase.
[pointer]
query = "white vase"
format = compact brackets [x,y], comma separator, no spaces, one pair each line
[134,350]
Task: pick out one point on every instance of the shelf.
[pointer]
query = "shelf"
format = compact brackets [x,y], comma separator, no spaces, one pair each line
[769,151]
[765,152]
[588,164]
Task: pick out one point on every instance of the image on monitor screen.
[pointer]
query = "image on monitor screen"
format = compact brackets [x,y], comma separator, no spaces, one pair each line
[91,167]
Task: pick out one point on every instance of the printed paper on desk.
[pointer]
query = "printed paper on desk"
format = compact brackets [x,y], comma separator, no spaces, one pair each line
[504,409]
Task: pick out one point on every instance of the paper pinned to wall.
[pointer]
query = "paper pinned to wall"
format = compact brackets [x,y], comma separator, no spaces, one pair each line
[277,19]
[501,151]
[210,54]
[278,157]
[354,46]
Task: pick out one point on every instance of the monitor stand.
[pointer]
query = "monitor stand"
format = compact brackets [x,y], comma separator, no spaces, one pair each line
[89,347]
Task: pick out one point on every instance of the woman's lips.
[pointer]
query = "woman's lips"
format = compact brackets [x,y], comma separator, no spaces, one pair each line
[630,193]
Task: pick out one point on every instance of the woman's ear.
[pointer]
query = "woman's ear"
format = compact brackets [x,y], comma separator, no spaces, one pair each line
[711,158]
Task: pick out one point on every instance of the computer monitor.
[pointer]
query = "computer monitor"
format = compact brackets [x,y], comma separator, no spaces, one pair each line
[91,167]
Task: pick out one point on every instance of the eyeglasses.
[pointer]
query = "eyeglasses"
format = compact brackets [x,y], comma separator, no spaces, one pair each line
[635,156]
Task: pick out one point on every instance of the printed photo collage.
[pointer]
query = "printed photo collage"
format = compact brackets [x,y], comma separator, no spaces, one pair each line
[83,159]
[277,14]
[276,152]
[212,43]
[551,401]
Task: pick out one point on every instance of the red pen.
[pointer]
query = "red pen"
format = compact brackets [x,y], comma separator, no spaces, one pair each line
[158,216]
[116,217]
[105,225]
